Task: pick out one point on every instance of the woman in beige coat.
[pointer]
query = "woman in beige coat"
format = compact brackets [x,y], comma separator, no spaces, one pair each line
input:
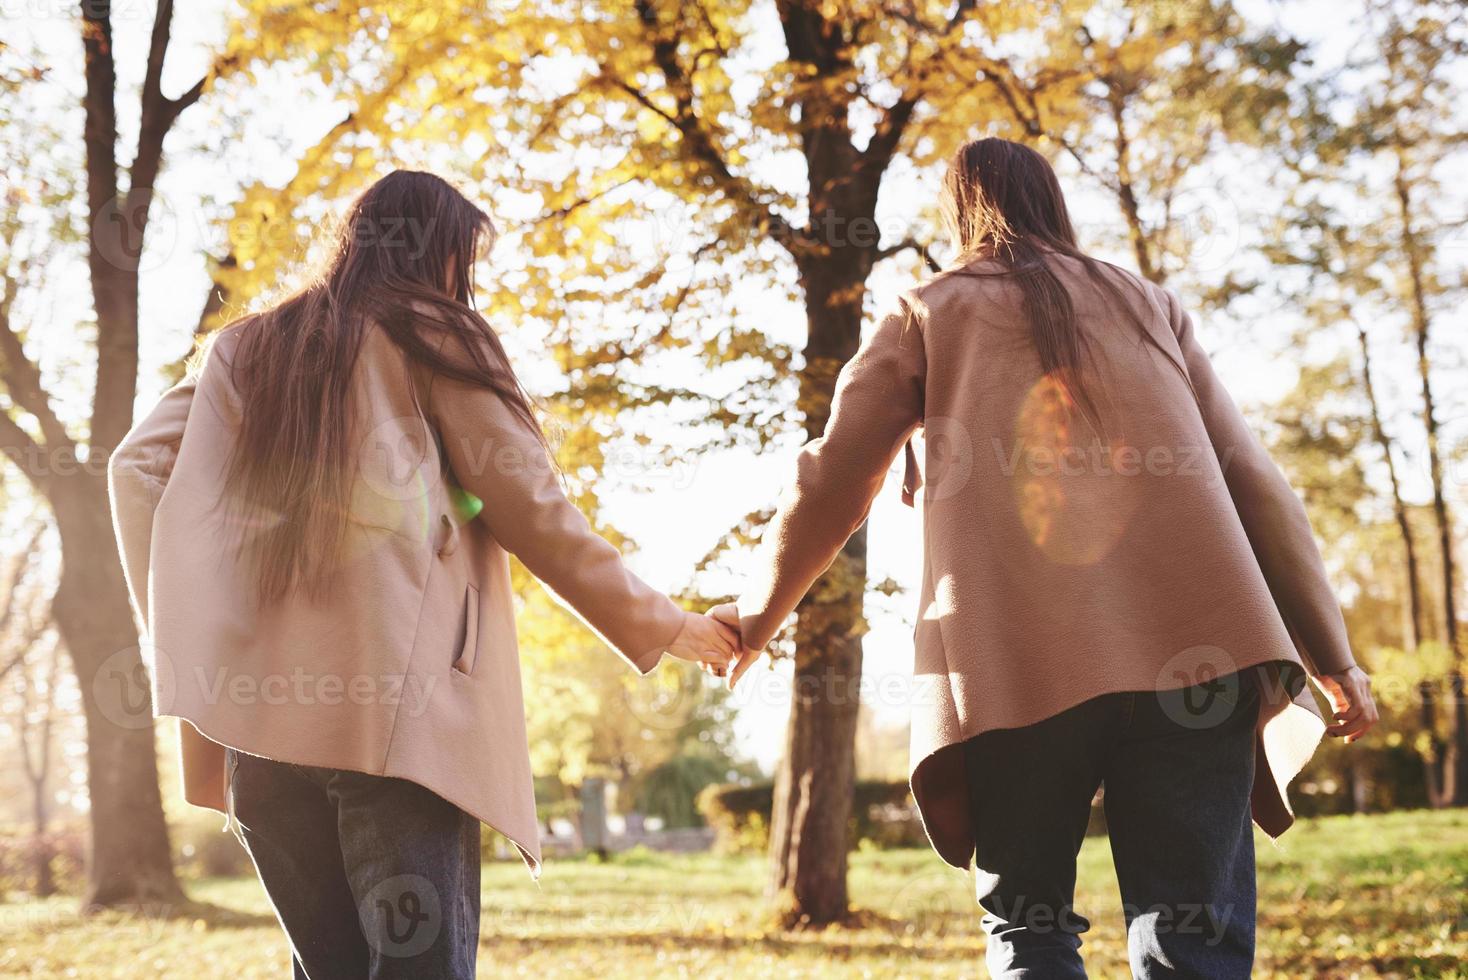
[316,528]
[1119,586]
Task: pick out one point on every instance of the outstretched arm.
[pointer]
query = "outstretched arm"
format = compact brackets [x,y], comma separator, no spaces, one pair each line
[1273,516]
[1284,545]
[878,404]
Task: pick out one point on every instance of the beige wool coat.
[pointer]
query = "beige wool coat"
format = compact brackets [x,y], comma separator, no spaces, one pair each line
[409,668]
[1055,571]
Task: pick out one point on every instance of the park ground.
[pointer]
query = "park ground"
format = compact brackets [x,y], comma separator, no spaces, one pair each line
[1366,896]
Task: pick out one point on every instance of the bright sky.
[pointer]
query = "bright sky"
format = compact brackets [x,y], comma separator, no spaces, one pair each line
[676,526]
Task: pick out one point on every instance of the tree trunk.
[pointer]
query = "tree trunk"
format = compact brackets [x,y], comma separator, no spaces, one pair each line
[809,835]
[1416,625]
[40,820]
[817,775]
[1434,760]
[1455,781]
[834,254]
[130,861]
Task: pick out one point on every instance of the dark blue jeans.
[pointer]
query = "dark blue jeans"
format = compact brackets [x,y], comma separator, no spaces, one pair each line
[1178,767]
[370,876]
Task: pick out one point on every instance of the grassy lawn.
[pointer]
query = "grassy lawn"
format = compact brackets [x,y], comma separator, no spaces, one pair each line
[1383,896]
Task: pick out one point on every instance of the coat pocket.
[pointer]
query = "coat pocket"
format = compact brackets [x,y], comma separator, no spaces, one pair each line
[469,642]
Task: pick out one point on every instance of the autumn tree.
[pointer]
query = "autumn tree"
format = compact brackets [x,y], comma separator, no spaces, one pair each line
[1143,99]
[1411,121]
[1368,220]
[765,148]
[64,458]
[681,170]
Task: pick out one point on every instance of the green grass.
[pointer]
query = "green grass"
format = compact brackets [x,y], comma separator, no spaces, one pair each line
[1381,896]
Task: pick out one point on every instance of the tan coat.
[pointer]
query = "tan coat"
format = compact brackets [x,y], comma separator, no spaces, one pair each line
[1054,572]
[410,667]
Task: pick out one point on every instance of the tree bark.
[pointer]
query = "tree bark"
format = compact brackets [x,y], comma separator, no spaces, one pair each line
[130,860]
[38,772]
[834,254]
[814,784]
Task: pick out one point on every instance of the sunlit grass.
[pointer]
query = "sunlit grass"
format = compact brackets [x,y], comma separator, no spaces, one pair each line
[1343,897]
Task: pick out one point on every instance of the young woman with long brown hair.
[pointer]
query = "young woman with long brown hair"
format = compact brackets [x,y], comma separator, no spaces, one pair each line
[1119,586]
[316,528]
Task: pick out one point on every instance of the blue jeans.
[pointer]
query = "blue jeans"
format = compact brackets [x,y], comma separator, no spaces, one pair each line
[1178,767]
[370,876]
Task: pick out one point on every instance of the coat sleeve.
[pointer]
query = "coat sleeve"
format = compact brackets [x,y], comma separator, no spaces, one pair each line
[877,405]
[1273,516]
[495,456]
[137,474]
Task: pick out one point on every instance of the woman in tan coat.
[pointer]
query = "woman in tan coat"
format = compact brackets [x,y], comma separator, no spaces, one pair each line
[316,528]
[1119,586]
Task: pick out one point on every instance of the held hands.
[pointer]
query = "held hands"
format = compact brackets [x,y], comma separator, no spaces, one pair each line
[727,614]
[706,642]
[1352,706]
[712,641]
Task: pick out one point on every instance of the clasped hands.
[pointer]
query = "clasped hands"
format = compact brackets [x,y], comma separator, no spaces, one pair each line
[712,641]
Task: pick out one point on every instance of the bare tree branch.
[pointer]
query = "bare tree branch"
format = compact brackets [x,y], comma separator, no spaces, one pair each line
[888,133]
[905,244]
[17,445]
[21,376]
[698,136]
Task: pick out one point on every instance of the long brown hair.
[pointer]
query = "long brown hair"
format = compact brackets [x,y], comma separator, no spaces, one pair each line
[1002,200]
[403,258]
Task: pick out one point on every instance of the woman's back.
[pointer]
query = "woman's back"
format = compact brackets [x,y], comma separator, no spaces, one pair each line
[1069,553]
[1090,556]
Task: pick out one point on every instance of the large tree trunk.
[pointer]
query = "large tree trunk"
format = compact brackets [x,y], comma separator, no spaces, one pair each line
[834,254]
[814,784]
[130,861]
